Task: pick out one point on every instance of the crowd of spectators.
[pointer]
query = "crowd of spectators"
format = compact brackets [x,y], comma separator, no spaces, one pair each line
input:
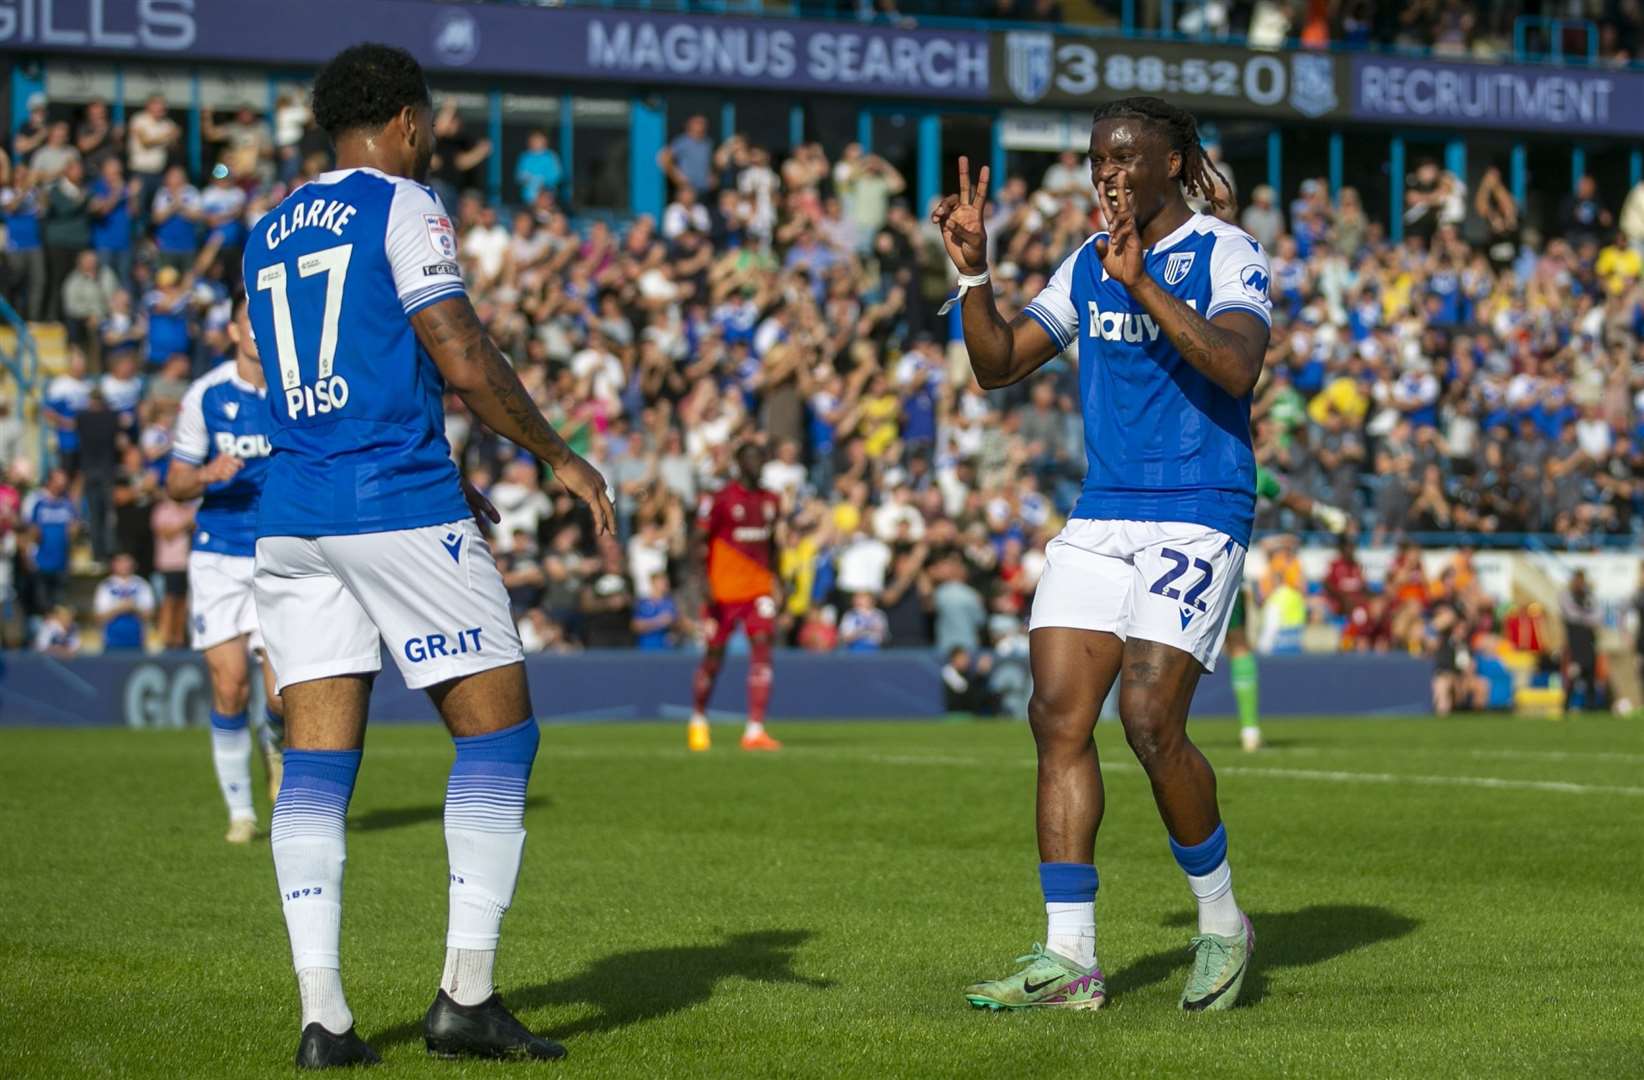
[1477,378]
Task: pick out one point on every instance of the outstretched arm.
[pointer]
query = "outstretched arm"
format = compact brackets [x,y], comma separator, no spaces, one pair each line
[477,371]
[1001,353]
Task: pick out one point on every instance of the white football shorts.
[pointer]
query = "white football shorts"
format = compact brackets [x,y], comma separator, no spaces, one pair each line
[1167,581]
[432,595]
[220,601]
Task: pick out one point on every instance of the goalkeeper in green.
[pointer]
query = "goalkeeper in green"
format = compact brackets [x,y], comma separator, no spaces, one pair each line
[1241,660]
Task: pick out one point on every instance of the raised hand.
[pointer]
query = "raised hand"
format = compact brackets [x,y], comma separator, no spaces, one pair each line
[960,219]
[1121,252]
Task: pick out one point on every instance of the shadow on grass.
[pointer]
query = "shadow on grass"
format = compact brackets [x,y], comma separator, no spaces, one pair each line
[397,817]
[1301,938]
[644,984]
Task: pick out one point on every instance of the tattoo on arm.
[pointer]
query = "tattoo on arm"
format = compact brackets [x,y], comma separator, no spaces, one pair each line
[482,376]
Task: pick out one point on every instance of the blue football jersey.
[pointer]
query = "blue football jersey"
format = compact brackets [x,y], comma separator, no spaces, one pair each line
[1162,442]
[333,275]
[224,414]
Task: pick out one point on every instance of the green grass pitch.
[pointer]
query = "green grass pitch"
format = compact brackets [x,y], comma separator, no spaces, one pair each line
[1432,899]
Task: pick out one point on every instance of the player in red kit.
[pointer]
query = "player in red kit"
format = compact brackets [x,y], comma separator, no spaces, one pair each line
[738,526]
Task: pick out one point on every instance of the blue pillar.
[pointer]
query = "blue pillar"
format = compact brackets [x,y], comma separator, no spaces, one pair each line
[727,120]
[1578,164]
[864,130]
[930,159]
[796,125]
[493,164]
[996,153]
[1519,180]
[648,128]
[196,148]
[567,147]
[1635,166]
[272,97]
[117,107]
[1455,159]
[1337,147]
[1275,164]
[1395,188]
[24,86]
[1127,16]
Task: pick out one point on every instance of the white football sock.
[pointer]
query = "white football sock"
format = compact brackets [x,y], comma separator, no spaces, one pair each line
[1071,931]
[467,975]
[484,839]
[754,729]
[231,754]
[1218,911]
[323,1002]
[307,837]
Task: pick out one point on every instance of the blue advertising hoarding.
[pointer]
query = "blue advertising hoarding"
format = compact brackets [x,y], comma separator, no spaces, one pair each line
[496,39]
[1596,101]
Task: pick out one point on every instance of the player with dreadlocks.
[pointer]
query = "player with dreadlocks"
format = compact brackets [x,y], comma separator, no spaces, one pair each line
[1169,311]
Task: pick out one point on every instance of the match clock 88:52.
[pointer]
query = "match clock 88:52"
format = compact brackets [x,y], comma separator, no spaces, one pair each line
[1081,68]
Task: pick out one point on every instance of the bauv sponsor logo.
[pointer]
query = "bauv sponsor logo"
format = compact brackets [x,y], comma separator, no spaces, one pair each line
[158,25]
[1490,95]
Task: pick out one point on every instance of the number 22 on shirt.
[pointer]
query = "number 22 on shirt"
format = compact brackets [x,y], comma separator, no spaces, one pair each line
[329,391]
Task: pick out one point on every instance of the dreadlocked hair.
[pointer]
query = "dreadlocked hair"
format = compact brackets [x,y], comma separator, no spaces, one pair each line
[1198,177]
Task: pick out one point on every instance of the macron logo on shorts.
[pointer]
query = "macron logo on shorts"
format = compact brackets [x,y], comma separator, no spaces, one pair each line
[452,543]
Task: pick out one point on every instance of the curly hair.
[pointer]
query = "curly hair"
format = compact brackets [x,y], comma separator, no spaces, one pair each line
[364,87]
[1177,125]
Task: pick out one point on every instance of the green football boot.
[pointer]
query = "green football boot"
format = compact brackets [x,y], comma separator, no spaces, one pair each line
[1048,979]
[1219,964]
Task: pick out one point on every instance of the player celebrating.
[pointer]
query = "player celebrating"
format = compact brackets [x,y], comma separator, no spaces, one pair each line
[365,538]
[1241,661]
[1170,312]
[737,526]
[226,412]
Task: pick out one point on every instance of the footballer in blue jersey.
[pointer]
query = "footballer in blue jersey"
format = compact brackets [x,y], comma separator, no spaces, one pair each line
[1168,312]
[219,455]
[366,542]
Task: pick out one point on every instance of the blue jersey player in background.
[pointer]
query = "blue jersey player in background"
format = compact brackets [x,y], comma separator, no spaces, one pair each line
[219,455]
[365,540]
[1169,313]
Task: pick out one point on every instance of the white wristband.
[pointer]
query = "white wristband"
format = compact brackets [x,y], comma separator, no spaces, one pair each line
[965,282]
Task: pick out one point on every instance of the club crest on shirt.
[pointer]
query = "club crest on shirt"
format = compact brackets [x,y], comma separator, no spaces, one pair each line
[1177,264]
[231,409]
[441,236]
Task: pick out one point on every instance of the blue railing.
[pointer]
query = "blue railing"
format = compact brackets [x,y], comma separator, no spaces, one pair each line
[23,363]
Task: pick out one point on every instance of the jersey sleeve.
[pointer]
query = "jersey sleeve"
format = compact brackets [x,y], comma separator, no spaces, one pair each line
[422,249]
[1238,277]
[189,441]
[1053,308]
[104,600]
[144,598]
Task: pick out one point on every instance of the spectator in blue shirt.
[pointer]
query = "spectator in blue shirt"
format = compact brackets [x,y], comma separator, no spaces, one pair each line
[166,308]
[538,168]
[688,159]
[20,204]
[655,616]
[124,604]
[52,520]
[66,397]
[176,218]
[864,627]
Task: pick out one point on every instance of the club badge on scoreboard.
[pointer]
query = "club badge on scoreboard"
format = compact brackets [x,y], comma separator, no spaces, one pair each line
[1028,65]
[1312,84]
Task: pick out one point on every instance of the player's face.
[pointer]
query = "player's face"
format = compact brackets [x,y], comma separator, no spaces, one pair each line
[1131,154]
[750,461]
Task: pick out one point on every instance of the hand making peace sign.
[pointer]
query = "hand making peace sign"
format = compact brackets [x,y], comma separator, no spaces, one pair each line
[1121,252]
[960,219]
